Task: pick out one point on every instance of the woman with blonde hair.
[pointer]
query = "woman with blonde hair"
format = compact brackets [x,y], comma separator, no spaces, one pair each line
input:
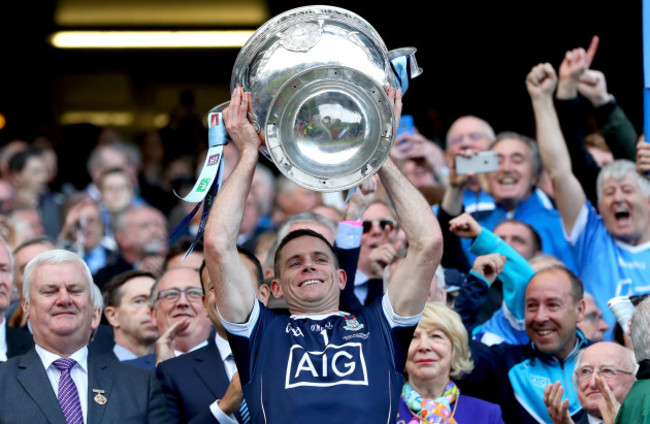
[438,354]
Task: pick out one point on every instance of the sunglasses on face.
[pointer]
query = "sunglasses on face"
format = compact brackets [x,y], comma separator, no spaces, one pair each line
[382,223]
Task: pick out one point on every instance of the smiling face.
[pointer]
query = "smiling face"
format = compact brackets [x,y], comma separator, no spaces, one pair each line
[625,209]
[167,313]
[60,310]
[308,279]
[513,181]
[429,357]
[552,313]
[605,355]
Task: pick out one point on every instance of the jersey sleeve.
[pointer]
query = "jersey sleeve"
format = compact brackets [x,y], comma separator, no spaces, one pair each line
[516,270]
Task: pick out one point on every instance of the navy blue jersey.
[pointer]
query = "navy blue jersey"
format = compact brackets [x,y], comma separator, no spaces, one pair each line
[336,368]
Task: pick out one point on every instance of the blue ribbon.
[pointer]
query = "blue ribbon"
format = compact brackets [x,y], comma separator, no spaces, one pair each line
[402,70]
[210,179]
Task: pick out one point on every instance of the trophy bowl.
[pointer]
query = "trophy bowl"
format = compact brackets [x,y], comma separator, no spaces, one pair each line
[318,77]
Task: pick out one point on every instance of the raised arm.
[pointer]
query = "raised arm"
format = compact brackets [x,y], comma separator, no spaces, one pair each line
[234,290]
[616,128]
[569,196]
[411,280]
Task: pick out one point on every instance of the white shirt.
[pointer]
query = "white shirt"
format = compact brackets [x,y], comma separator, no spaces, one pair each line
[231,369]
[3,340]
[79,374]
[594,420]
[198,346]
[225,352]
[122,353]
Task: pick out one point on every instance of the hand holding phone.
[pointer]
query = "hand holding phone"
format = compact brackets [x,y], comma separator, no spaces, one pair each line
[479,163]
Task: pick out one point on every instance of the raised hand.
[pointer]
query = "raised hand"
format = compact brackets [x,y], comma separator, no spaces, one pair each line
[541,81]
[642,156]
[465,226]
[489,266]
[610,407]
[557,408]
[241,130]
[574,64]
[362,198]
[165,343]
[593,86]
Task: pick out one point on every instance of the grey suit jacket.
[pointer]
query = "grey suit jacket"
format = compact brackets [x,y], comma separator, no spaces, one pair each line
[19,342]
[133,396]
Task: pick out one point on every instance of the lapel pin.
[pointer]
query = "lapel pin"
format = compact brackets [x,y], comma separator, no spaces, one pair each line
[99,397]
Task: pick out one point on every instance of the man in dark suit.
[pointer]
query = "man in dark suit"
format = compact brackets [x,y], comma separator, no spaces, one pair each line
[58,381]
[13,342]
[203,386]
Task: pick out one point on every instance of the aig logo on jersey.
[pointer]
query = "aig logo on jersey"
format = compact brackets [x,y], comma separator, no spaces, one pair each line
[334,366]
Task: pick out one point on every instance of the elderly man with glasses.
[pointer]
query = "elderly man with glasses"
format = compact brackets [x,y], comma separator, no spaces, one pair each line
[603,376]
[177,307]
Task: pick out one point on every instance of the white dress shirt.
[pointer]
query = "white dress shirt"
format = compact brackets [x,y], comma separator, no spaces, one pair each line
[79,374]
[231,369]
[122,353]
[3,340]
[594,420]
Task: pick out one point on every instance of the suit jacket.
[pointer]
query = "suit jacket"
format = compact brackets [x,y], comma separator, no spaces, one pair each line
[115,264]
[146,362]
[18,342]
[133,396]
[192,382]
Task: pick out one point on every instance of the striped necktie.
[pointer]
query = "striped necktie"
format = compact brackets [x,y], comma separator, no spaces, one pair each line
[68,395]
[244,414]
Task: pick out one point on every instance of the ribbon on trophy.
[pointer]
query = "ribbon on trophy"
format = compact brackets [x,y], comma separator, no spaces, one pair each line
[209,182]
[405,68]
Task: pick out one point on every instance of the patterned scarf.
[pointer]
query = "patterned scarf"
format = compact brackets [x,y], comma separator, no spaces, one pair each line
[434,411]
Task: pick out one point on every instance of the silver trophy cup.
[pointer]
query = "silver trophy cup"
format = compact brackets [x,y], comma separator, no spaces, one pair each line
[318,77]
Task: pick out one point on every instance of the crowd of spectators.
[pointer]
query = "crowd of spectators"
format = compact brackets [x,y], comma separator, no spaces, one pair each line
[517,327]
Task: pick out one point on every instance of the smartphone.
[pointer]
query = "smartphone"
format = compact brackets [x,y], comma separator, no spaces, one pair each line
[406,125]
[479,163]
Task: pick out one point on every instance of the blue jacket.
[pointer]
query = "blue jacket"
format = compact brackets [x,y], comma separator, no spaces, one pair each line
[514,376]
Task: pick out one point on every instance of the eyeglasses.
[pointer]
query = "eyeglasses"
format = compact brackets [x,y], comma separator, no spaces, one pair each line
[383,223]
[593,317]
[607,373]
[473,136]
[192,294]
